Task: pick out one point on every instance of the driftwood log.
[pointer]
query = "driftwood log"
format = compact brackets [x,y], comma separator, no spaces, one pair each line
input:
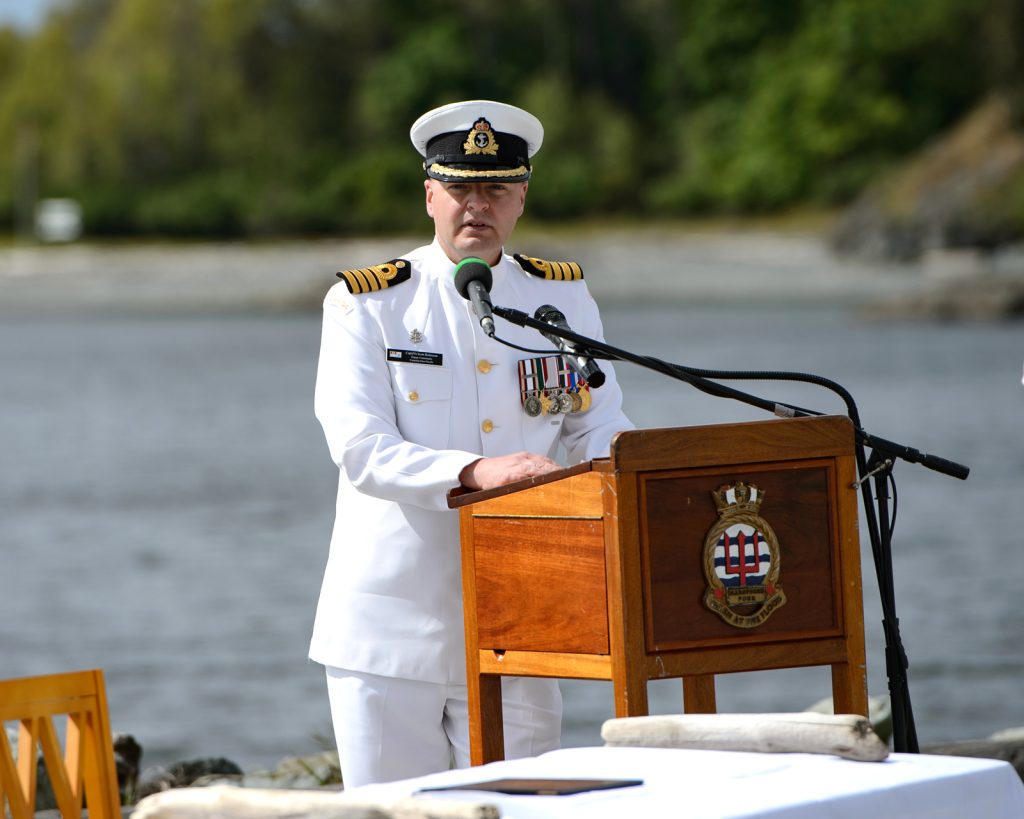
[846,735]
[229,802]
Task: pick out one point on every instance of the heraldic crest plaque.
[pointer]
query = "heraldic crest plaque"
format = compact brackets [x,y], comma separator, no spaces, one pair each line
[741,559]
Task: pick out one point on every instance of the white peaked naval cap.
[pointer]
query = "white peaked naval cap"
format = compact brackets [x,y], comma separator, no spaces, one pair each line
[477,141]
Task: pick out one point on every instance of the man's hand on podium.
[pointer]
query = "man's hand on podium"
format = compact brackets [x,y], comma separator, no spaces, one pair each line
[488,473]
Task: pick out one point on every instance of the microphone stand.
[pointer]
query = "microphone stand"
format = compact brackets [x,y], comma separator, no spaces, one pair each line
[876,469]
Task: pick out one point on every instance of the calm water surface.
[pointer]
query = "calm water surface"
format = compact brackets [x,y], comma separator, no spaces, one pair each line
[166,502]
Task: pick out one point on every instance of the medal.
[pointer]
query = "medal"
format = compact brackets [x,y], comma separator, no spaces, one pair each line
[548,386]
[528,388]
[586,399]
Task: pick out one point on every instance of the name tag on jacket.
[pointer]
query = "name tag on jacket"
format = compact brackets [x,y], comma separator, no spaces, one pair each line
[415,357]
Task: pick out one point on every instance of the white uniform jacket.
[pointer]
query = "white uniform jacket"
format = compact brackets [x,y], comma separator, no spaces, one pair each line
[402,431]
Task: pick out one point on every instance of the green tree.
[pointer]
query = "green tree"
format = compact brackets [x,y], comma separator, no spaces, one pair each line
[285,116]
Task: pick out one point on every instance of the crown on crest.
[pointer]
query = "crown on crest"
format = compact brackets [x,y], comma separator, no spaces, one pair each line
[740,497]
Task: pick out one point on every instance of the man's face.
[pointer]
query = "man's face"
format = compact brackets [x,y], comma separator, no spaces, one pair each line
[474,218]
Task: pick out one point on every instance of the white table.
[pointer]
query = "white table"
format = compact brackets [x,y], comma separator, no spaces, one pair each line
[728,785]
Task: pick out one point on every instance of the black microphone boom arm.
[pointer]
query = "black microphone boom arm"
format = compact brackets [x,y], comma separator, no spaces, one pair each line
[599,349]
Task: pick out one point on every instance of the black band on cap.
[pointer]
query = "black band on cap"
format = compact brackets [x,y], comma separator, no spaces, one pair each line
[479,153]
[471,161]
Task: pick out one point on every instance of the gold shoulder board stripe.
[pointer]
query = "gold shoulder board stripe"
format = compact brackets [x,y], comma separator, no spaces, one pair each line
[366,279]
[552,271]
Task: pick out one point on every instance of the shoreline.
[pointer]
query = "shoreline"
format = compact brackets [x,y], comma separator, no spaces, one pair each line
[621,264]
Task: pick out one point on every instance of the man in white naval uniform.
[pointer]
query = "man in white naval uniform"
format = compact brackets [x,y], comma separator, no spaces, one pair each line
[415,399]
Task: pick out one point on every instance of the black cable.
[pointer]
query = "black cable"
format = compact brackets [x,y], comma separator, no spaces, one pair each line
[895,502]
[550,351]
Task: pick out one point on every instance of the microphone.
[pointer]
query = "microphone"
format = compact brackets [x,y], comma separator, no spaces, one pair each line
[473,280]
[584,367]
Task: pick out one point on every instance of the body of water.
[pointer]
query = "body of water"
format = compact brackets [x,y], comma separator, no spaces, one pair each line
[166,500]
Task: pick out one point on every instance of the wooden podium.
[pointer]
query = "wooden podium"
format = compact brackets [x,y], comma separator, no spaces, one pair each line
[626,569]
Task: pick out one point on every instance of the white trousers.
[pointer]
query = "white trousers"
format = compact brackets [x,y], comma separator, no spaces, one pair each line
[389,728]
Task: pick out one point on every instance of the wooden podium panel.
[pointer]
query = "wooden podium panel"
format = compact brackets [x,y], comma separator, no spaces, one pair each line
[524,567]
[627,570]
[672,544]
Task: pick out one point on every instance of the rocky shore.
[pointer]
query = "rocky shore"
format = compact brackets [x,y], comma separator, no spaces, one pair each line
[711,263]
[322,770]
[955,209]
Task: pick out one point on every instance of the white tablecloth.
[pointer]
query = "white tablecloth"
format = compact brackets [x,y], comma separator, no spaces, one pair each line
[728,785]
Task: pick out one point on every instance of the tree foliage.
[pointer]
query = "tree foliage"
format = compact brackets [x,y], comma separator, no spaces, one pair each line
[249,117]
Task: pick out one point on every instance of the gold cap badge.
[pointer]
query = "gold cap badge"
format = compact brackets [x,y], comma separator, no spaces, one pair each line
[481,139]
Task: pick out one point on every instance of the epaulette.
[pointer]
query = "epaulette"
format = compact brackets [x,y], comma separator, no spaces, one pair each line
[552,271]
[364,279]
